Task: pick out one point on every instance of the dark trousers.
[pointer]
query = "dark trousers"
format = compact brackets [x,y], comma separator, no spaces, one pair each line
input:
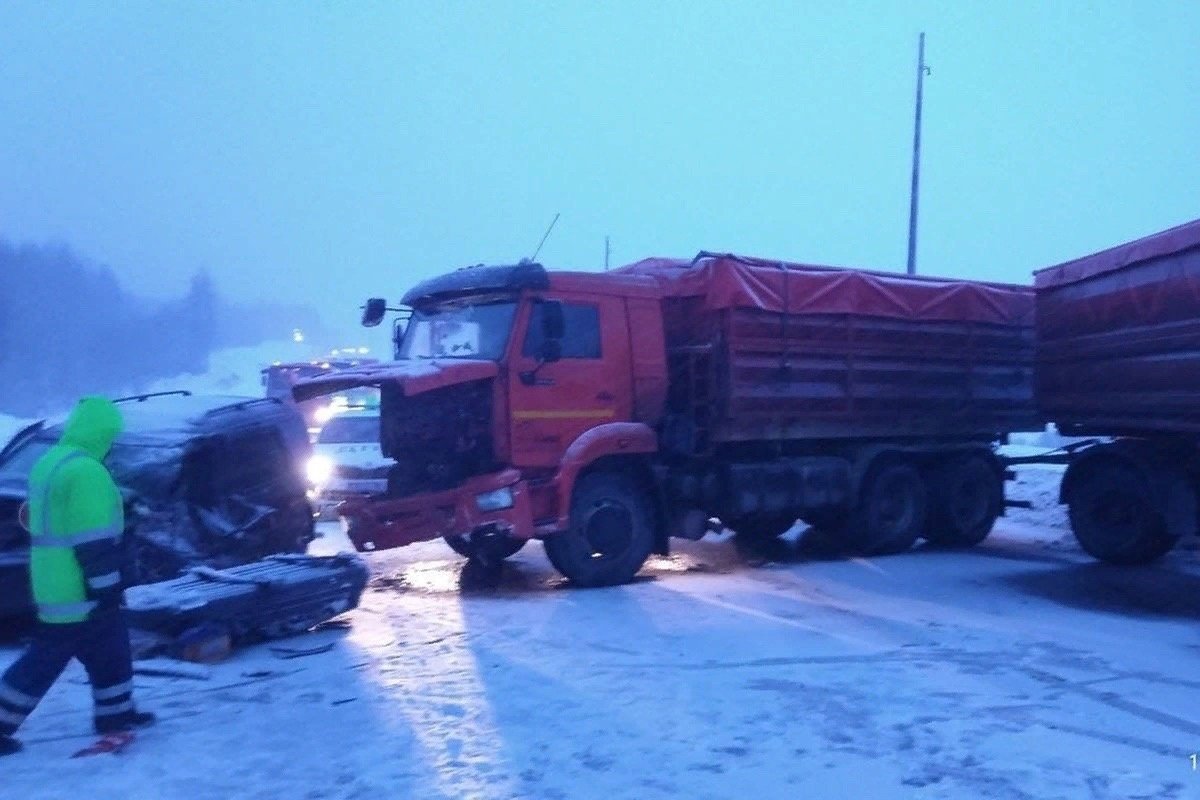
[101,644]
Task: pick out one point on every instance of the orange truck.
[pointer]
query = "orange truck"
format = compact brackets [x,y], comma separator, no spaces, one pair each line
[605,413]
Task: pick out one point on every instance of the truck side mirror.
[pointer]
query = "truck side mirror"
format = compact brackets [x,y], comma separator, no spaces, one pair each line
[373,312]
[399,326]
[554,325]
[550,348]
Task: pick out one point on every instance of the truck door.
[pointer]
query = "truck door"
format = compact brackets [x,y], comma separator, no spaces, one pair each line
[590,384]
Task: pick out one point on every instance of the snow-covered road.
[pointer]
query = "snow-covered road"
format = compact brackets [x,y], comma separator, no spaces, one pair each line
[1016,670]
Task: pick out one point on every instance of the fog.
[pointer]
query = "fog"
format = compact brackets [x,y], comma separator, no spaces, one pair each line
[320,153]
[68,327]
[315,154]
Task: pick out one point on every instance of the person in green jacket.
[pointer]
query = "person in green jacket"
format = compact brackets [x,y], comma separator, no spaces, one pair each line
[76,521]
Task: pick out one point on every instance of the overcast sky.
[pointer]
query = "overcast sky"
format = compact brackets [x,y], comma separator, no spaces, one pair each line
[322,152]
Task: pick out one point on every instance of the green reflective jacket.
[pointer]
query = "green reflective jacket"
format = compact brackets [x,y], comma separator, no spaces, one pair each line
[76,518]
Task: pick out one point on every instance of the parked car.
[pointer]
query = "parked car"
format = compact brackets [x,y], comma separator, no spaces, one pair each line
[278,380]
[215,481]
[347,461]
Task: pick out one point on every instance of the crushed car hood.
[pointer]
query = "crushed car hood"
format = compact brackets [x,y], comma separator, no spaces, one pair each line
[412,376]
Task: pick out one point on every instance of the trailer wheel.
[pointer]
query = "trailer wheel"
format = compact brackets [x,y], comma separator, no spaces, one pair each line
[611,532]
[890,513]
[762,527]
[967,499]
[826,535]
[1114,518]
[493,548]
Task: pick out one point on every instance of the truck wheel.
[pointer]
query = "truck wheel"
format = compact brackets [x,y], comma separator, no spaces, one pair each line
[890,513]
[493,548]
[1114,519]
[763,527]
[968,497]
[825,539]
[611,532]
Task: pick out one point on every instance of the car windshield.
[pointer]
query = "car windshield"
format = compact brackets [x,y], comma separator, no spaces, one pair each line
[136,463]
[347,430]
[20,461]
[460,329]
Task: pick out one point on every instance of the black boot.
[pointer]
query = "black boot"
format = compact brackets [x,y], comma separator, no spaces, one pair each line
[9,745]
[125,722]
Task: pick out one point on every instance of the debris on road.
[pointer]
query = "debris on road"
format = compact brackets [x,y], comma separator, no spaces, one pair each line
[301,652]
[276,597]
[166,668]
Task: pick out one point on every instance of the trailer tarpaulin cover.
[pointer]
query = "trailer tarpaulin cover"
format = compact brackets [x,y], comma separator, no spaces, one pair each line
[727,281]
[762,350]
[1174,240]
[1119,338]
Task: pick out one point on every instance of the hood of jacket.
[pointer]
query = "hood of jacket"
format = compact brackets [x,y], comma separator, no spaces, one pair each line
[93,426]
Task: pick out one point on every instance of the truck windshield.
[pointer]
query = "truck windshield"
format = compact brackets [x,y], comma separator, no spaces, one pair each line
[460,329]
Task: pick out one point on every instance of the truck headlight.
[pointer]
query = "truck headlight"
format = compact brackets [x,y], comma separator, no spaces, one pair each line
[319,469]
[495,500]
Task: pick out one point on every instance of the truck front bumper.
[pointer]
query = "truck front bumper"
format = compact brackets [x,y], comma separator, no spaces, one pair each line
[382,523]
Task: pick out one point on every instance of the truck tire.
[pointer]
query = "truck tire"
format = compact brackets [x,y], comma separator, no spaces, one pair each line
[1114,518]
[966,500]
[494,548]
[890,513]
[762,527]
[826,535]
[611,532]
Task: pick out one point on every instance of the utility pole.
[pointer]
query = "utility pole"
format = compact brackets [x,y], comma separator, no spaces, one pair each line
[607,253]
[922,71]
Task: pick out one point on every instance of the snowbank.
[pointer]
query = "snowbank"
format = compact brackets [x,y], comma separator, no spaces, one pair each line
[9,426]
[236,371]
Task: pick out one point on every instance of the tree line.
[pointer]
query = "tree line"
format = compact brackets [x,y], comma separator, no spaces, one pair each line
[68,328]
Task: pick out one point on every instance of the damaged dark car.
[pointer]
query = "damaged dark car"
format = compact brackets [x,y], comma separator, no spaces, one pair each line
[207,481]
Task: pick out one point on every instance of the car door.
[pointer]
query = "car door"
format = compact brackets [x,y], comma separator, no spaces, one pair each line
[588,386]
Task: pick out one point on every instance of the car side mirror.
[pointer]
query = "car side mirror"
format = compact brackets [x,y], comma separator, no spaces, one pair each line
[373,312]
[551,351]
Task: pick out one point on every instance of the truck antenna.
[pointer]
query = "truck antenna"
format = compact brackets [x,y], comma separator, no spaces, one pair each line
[545,236]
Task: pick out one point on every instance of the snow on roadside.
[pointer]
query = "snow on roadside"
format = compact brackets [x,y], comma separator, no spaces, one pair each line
[9,427]
[235,371]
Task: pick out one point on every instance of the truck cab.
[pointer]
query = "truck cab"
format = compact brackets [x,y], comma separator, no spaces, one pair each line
[509,383]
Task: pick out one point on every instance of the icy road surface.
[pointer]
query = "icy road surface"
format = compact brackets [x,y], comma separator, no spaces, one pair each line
[1017,670]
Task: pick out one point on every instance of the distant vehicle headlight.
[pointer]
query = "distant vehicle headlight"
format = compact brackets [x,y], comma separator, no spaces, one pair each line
[319,469]
[495,500]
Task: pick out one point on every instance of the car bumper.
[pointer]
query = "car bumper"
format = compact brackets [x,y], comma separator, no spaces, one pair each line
[382,523]
[327,500]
